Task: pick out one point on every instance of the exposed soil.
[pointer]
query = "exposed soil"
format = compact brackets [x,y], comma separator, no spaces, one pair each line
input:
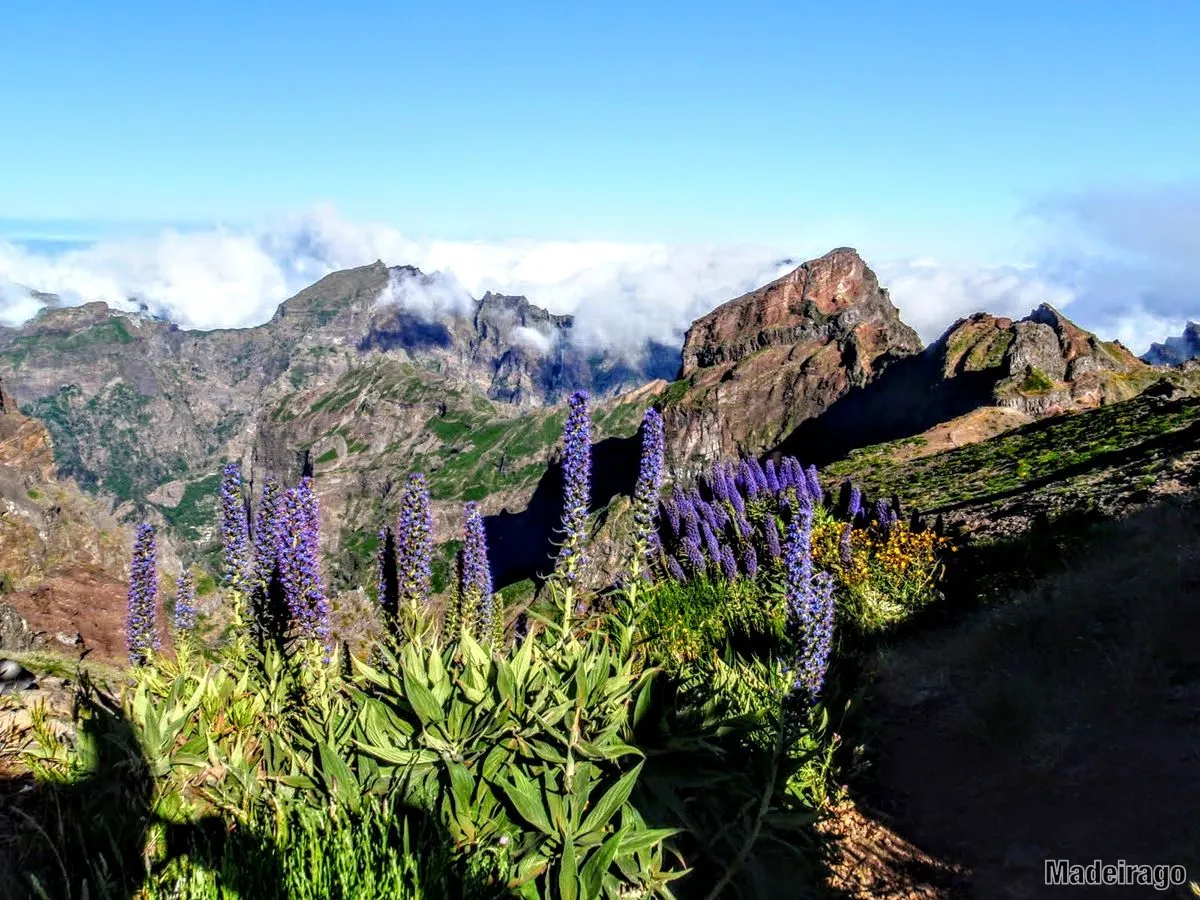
[76,612]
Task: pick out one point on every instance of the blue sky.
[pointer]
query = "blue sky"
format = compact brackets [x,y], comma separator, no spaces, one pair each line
[913,128]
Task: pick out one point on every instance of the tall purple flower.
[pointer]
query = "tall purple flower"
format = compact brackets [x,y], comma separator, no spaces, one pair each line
[750,562]
[810,608]
[235,530]
[711,544]
[675,570]
[141,631]
[476,591]
[747,478]
[266,528]
[771,478]
[814,485]
[738,504]
[670,511]
[772,535]
[728,562]
[577,475]
[854,507]
[414,543]
[298,549]
[185,602]
[845,550]
[883,514]
[650,477]
[691,531]
[694,554]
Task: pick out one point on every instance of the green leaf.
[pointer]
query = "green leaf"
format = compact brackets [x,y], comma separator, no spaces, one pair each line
[339,779]
[613,799]
[423,702]
[525,796]
[592,875]
[637,841]
[568,874]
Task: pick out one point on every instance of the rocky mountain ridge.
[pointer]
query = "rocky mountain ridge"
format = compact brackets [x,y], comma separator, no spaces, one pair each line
[1177,350]
[376,371]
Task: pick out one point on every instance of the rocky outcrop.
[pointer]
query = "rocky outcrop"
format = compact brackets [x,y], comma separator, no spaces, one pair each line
[1176,351]
[1039,366]
[758,366]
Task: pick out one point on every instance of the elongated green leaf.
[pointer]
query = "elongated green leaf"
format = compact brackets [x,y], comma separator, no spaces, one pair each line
[525,796]
[339,779]
[423,702]
[636,841]
[592,876]
[568,874]
[613,799]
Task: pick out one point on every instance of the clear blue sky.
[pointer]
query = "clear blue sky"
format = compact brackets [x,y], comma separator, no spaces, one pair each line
[924,125]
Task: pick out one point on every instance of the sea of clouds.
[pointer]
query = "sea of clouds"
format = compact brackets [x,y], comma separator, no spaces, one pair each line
[1125,265]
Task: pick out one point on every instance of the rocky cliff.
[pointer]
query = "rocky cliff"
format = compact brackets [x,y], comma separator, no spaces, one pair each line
[757,366]
[1041,365]
[1176,350]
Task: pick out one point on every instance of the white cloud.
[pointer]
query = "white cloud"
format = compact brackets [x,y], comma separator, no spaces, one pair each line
[532,339]
[931,295]
[1124,265]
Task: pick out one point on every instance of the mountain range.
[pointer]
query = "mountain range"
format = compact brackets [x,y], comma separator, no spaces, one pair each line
[375,371]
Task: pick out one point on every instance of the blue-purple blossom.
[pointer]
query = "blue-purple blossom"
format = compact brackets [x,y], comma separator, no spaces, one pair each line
[235,530]
[184,618]
[856,502]
[814,484]
[711,544]
[298,550]
[675,569]
[414,543]
[266,527]
[476,590]
[760,477]
[883,513]
[650,477]
[810,608]
[845,553]
[577,475]
[671,511]
[738,504]
[694,554]
[728,561]
[750,561]
[141,621]
[772,534]
[748,479]
[771,478]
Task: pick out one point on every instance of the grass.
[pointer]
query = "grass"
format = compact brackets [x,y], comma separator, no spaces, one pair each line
[1058,449]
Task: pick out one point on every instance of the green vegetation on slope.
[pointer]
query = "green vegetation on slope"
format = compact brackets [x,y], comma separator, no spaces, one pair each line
[1052,450]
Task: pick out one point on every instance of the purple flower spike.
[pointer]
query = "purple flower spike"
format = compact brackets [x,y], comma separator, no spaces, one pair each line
[235,530]
[476,589]
[772,530]
[814,485]
[750,562]
[141,632]
[650,476]
[856,502]
[728,562]
[185,602]
[577,474]
[748,479]
[810,608]
[298,551]
[691,531]
[266,528]
[845,554]
[760,477]
[414,543]
[772,479]
[670,512]
[675,570]
[711,544]
[883,513]
[694,554]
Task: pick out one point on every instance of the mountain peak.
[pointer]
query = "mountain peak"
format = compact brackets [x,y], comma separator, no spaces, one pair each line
[1177,350]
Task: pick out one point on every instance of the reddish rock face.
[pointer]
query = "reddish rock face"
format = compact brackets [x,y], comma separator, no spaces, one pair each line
[757,366]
